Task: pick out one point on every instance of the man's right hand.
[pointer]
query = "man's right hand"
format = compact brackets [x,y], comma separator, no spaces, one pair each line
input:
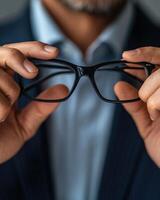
[18,126]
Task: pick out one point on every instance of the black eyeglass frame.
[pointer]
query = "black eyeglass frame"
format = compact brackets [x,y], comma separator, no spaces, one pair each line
[89,71]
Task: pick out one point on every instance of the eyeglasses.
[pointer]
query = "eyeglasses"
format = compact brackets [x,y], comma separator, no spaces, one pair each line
[103,76]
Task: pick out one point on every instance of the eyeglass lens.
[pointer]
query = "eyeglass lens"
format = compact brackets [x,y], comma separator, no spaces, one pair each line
[48,78]
[112,76]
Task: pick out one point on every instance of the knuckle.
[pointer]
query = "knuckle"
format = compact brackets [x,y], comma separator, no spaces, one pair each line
[37,43]
[141,50]
[15,93]
[11,88]
[144,50]
[150,48]
[150,52]
[14,53]
[2,75]
[142,95]
[18,90]
[5,45]
[4,111]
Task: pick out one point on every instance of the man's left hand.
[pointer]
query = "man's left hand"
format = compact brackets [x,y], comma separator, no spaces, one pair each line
[145,113]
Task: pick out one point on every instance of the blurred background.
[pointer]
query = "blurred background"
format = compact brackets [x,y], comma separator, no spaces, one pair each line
[10,8]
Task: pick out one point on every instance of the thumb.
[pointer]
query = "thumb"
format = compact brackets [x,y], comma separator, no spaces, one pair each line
[34,114]
[137,110]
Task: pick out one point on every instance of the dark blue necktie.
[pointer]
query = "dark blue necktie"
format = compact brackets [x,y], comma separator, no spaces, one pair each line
[103,53]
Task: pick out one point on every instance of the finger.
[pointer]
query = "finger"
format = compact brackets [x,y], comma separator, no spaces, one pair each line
[32,116]
[139,72]
[137,110]
[35,49]
[5,107]
[9,87]
[144,54]
[15,60]
[153,105]
[150,85]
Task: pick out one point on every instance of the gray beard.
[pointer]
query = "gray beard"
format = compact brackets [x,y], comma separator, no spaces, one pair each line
[102,7]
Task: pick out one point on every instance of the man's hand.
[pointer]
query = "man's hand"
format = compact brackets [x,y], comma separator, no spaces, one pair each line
[18,126]
[145,113]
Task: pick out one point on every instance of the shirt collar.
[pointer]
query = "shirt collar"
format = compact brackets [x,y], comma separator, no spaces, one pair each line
[47,31]
[43,26]
[116,34]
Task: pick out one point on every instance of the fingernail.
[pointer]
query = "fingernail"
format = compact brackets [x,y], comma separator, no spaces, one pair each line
[130,53]
[30,67]
[155,116]
[2,120]
[152,118]
[50,49]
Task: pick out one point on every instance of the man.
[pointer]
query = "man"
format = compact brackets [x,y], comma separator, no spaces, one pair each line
[78,155]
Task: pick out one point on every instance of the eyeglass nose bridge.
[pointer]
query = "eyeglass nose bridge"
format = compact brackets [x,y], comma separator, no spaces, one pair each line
[89,72]
[84,71]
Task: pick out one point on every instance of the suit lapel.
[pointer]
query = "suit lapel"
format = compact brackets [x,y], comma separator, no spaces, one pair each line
[32,168]
[125,147]
[122,158]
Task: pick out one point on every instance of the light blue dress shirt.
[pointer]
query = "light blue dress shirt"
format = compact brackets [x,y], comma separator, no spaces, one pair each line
[80,129]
